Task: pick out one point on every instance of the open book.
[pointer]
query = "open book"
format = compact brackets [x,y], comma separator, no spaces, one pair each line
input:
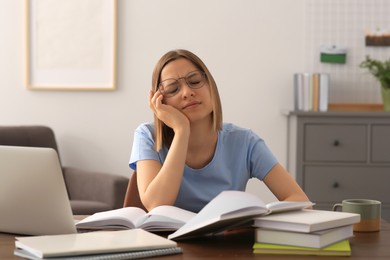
[162,218]
[228,209]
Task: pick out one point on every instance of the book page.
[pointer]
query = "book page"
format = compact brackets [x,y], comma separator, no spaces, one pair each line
[118,218]
[228,202]
[281,206]
[165,217]
[226,209]
[172,212]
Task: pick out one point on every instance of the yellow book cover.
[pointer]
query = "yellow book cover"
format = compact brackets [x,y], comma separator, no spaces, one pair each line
[341,248]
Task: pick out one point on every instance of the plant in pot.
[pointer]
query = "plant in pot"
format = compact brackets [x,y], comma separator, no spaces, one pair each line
[381,71]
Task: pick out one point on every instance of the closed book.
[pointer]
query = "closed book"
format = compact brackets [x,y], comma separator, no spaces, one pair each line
[307,92]
[341,248]
[315,92]
[92,243]
[298,91]
[323,92]
[306,220]
[317,239]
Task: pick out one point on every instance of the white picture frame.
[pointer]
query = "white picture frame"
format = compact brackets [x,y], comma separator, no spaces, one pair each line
[71,45]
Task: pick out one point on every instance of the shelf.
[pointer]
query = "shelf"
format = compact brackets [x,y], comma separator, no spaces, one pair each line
[355,107]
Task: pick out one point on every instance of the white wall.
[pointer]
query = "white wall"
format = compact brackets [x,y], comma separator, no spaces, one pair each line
[345,24]
[252,48]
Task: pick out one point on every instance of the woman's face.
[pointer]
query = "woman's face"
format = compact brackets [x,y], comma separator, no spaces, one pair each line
[186,89]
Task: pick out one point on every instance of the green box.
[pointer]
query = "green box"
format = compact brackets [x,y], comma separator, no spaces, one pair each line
[333,58]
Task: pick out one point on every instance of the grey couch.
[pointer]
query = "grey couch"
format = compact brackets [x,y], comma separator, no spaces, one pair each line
[89,192]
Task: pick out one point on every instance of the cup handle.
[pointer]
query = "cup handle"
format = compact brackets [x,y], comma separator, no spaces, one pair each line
[336,206]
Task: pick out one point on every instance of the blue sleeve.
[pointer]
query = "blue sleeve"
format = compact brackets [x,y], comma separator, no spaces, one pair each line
[261,159]
[143,146]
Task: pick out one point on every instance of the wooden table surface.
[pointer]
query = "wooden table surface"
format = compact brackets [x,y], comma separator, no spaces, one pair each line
[238,245]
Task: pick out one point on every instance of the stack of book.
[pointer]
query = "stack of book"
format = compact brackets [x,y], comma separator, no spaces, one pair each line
[305,232]
[311,92]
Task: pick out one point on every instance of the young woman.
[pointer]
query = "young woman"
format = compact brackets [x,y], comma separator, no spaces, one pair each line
[188,156]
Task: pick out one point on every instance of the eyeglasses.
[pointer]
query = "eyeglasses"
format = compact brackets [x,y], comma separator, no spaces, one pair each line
[170,87]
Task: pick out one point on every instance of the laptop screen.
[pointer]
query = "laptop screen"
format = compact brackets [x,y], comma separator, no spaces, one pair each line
[33,196]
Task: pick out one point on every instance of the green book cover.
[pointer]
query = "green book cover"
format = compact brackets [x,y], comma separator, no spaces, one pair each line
[341,248]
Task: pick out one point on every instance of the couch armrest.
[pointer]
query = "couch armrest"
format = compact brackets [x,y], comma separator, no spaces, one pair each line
[95,186]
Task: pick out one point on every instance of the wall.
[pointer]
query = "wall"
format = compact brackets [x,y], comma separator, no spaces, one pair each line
[345,23]
[252,47]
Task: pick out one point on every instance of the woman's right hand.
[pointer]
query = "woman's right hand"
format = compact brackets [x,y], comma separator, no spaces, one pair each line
[159,183]
[170,115]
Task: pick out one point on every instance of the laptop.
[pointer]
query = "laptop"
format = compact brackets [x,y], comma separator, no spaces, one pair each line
[33,196]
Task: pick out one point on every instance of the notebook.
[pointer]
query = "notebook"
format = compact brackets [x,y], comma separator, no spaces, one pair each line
[108,256]
[94,245]
[33,196]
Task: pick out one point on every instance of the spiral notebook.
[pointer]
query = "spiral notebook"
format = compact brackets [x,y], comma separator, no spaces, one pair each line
[95,245]
[109,256]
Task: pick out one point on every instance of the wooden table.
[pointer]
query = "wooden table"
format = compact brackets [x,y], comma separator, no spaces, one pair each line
[238,245]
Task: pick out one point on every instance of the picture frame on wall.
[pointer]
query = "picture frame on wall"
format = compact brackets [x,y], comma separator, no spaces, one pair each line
[71,45]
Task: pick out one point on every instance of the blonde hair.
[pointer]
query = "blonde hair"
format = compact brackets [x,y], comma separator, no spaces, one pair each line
[163,133]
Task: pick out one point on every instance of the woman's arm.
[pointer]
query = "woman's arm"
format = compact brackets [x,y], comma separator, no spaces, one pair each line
[283,186]
[159,184]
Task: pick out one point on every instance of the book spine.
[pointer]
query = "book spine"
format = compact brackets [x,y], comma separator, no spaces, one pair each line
[306,91]
[298,92]
[316,89]
[324,92]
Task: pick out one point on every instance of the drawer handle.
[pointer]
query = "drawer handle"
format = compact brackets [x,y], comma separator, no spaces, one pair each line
[336,185]
[336,143]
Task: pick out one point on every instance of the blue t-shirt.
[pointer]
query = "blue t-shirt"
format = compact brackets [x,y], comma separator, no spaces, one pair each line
[240,155]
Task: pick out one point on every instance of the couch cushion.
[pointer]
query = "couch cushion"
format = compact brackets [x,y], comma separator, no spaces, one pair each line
[35,136]
[85,207]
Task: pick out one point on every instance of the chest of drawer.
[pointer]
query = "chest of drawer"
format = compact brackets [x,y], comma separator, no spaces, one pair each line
[335,183]
[380,146]
[335,143]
